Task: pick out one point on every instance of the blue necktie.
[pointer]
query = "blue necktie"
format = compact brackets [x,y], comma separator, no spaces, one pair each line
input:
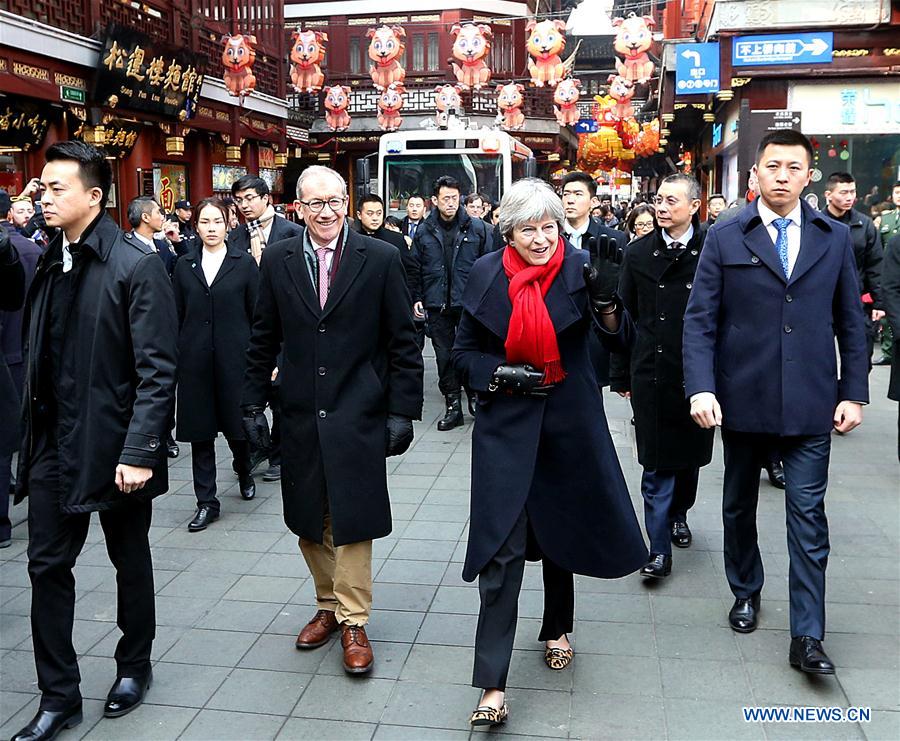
[781,244]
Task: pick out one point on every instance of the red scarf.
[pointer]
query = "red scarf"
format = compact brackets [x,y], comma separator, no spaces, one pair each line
[531,337]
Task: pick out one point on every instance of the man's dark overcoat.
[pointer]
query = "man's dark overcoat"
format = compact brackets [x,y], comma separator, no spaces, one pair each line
[345,368]
[554,455]
[12,293]
[214,330]
[118,369]
[655,284]
[890,286]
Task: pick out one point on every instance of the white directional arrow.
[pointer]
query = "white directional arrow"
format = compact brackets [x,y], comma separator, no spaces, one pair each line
[695,55]
[818,46]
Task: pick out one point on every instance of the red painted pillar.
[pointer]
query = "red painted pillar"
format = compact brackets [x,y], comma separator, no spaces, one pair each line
[251,156]
[198,152]
[138,161]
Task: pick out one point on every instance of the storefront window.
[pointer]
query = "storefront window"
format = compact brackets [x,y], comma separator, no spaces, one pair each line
[418,62]
[872,159]
[355,56]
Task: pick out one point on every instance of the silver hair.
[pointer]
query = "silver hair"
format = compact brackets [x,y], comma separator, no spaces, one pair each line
[529,199]
[692,186]
[314,170]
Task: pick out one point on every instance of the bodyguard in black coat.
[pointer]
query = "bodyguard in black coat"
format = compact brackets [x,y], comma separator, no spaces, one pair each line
[655,284]
[214,319]
[99,387]
[281,228]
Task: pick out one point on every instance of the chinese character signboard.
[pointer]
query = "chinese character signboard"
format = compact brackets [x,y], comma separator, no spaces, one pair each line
[786,48]
[696,68]
[139,74]
[23,123]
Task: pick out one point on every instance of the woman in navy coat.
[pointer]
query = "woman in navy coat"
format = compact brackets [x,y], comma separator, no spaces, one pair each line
[546,482]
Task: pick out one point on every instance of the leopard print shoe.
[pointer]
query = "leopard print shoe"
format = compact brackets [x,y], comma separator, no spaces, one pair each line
[485,715]
[558,658]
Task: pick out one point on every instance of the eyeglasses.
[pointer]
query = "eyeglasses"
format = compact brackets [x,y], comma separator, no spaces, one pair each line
[241,201]
[316,205]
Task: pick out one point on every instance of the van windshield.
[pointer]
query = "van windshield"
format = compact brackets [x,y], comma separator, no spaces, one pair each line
[415,173]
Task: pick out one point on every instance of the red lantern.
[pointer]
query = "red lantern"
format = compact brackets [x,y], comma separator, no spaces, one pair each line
[471,45]
[238,57]
[386,44]
[307,54]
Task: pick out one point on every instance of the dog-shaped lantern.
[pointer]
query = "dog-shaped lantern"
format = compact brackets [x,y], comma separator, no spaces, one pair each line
[565,100]
[633,40]
[337,99]
[446,98]
[386,44]
[546,39]
[471,44]
[238,57]
[621,91]
[510,100]
[390,103]
[307,53]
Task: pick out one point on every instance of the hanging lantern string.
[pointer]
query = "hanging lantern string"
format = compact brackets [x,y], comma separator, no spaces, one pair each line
[636,6]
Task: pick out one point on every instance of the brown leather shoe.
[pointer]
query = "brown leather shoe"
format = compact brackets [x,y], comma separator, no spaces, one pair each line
[358,657]
[317,630]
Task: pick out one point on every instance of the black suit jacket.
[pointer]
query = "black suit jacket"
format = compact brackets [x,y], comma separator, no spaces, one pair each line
[239,237]
[166,255]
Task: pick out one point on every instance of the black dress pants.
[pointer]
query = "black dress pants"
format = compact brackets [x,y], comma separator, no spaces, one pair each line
[499,584]
[442,330]
[203,464]
[55,540]
[806,479]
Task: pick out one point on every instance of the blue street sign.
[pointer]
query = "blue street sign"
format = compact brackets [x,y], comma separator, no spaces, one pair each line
[784,48]
[696,68]
[586,126]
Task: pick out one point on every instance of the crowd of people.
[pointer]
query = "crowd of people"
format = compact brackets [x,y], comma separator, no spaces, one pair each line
[122,343]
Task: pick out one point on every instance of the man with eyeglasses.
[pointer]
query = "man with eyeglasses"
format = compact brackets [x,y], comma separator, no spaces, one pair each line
[261,224]
[655,283]
[338,304]
[445,247]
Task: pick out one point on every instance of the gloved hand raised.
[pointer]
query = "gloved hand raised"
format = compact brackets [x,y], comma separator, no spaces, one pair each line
[256,427]
[600,280]
[398,434]
[519,379]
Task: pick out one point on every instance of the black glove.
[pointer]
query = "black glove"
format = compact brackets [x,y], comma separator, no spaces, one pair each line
[519,379]
[398,434]
[35,223]
[600,279]
[256,427]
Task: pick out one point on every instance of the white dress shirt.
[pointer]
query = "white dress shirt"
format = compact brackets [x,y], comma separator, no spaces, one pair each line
[575,236]
[211,262]
[146,241]
[683,240]
[66,255]
[793,231]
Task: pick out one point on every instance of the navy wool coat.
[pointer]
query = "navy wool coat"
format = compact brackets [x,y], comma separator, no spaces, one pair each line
[765,345]
[345,368]
[553,456]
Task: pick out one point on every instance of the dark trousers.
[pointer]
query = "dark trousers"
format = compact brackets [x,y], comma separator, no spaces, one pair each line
[668,495]
[805,461]
[442,330]
[203,463]
[5,479]
[499,584]
[54,541]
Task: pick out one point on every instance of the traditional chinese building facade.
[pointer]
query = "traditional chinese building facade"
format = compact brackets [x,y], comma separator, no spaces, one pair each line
[145,82]
[428,27]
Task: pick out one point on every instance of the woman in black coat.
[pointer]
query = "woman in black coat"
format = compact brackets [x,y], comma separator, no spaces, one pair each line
[215,293]
[546,482]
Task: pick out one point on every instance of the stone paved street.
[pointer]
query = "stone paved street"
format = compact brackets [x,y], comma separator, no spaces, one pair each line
[651,663]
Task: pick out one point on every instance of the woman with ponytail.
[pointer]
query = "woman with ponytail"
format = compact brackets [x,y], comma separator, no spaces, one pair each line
[546,482]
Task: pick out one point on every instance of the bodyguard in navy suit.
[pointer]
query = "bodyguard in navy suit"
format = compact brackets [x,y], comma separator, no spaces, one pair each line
[774,288]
